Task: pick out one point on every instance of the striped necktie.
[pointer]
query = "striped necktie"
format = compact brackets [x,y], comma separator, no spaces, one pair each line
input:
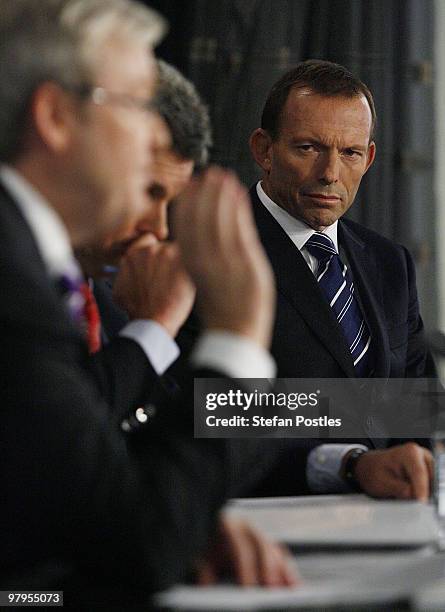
[337,286]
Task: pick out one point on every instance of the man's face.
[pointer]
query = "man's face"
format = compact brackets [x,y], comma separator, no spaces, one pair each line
[111,152]
[170,175]
[314,167]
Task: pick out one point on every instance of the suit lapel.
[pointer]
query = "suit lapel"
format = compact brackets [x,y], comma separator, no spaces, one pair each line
[297,283]
[113,319]
[24,267]
[367,280]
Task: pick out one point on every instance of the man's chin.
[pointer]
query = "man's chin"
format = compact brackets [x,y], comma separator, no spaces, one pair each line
[320,222]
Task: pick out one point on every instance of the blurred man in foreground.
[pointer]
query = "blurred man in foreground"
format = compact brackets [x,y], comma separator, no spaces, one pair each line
[155,289]
[124,507]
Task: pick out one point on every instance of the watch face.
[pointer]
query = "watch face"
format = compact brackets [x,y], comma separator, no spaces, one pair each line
[350,466]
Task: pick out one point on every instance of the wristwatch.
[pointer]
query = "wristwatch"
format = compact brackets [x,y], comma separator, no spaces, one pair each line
[349,469]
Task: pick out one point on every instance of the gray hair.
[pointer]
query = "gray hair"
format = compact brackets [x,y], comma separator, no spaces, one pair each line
[185,114]
[59,41]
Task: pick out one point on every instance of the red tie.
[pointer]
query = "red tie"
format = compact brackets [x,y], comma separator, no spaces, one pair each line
[91,318]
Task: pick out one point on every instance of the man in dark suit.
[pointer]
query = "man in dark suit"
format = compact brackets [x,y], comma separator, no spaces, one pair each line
[95,490]
[165,300]
[347,301]
[154,295]
[177,155]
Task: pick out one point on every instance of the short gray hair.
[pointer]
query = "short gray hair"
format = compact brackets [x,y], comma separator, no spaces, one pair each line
[185,114]
[58,40]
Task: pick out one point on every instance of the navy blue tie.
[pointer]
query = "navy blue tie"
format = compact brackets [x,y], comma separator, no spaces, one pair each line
[337,286]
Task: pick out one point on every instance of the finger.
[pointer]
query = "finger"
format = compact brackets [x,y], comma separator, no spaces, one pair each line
[241,555]
[139,256]
[390,485]
[430,466]
[233,211]
[285,571]
[184,211]
[397,488]
[172,254]
[268,558]
[290,576]
[246,220]
[171,264]
[222,192]
[205,573]
[416,469]
[147,240]
[193,225]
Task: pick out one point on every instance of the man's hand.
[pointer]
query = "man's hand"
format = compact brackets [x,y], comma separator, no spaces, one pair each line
[153,284]
[402,472]
[248,557]
[223,254]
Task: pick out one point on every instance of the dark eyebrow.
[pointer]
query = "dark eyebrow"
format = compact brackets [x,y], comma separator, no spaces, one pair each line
[316,141]
[304,139]
[357,147]
[312,141]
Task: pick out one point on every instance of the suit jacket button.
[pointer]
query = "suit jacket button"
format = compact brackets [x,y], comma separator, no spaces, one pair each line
[141,415]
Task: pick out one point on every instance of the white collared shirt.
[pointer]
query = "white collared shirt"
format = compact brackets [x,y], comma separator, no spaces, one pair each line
[297,231]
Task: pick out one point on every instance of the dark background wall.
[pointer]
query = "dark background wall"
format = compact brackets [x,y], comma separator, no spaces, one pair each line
[234,50]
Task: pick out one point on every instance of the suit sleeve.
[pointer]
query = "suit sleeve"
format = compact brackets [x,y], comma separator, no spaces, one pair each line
[124,374]
[419,361]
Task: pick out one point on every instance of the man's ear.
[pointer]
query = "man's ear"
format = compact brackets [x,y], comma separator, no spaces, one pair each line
[261,147]
[371,155]
[53,115]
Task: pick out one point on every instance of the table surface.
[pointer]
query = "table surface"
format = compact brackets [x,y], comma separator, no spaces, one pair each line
[340,521]
[342,574]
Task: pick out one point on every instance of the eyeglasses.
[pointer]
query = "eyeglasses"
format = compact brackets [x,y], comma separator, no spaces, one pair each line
[101,96]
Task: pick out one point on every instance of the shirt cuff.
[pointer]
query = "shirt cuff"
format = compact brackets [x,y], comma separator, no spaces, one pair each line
[323,468]
[154,340]
[233,355]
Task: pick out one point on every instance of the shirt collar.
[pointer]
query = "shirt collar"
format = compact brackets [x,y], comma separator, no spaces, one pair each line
[297,231]
[45,224]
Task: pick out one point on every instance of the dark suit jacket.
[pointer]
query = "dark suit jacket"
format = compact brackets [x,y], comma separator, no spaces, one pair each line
[308,341]
[113,319]
[78,494]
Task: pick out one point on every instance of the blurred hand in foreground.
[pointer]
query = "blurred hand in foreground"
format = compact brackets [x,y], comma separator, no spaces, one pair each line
[214,226]
[248,557]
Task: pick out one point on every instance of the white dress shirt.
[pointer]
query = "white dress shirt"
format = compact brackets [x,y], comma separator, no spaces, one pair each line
[324,461]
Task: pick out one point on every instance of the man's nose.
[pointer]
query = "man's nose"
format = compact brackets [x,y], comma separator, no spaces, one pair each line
[329,167]
[155,221]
